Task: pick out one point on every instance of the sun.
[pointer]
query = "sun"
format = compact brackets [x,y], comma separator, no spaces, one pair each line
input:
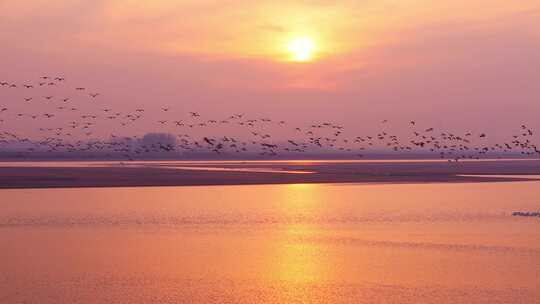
[301,49]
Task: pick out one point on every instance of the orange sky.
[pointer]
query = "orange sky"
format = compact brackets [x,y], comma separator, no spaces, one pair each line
[451,63]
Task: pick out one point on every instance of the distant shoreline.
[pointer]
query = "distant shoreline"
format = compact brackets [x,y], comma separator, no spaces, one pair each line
[254,173]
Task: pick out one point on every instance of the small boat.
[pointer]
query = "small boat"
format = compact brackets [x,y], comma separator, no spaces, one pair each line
[526,214]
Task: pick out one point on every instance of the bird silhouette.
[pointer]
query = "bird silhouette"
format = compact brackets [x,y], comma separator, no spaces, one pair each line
[210,135]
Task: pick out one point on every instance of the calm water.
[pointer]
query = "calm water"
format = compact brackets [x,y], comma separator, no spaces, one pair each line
[435,243]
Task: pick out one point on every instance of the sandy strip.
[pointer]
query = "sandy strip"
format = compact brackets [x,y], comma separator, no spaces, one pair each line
[242,174]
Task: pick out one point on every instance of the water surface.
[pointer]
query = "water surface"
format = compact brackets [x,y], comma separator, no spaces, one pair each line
[410,243]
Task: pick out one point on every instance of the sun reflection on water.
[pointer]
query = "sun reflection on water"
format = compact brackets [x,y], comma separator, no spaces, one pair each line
[295,259]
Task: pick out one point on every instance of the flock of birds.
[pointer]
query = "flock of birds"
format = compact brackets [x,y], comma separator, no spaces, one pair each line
[70,123]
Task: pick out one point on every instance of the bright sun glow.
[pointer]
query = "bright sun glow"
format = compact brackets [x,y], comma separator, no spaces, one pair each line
[301,49]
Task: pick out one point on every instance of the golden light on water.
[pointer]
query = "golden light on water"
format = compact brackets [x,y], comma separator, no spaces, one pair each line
[301,49]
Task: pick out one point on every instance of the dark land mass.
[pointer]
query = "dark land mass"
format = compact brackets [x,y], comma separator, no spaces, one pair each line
[165,174]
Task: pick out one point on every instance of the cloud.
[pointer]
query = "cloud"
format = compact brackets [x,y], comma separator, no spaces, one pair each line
[386,59]
[272,28]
